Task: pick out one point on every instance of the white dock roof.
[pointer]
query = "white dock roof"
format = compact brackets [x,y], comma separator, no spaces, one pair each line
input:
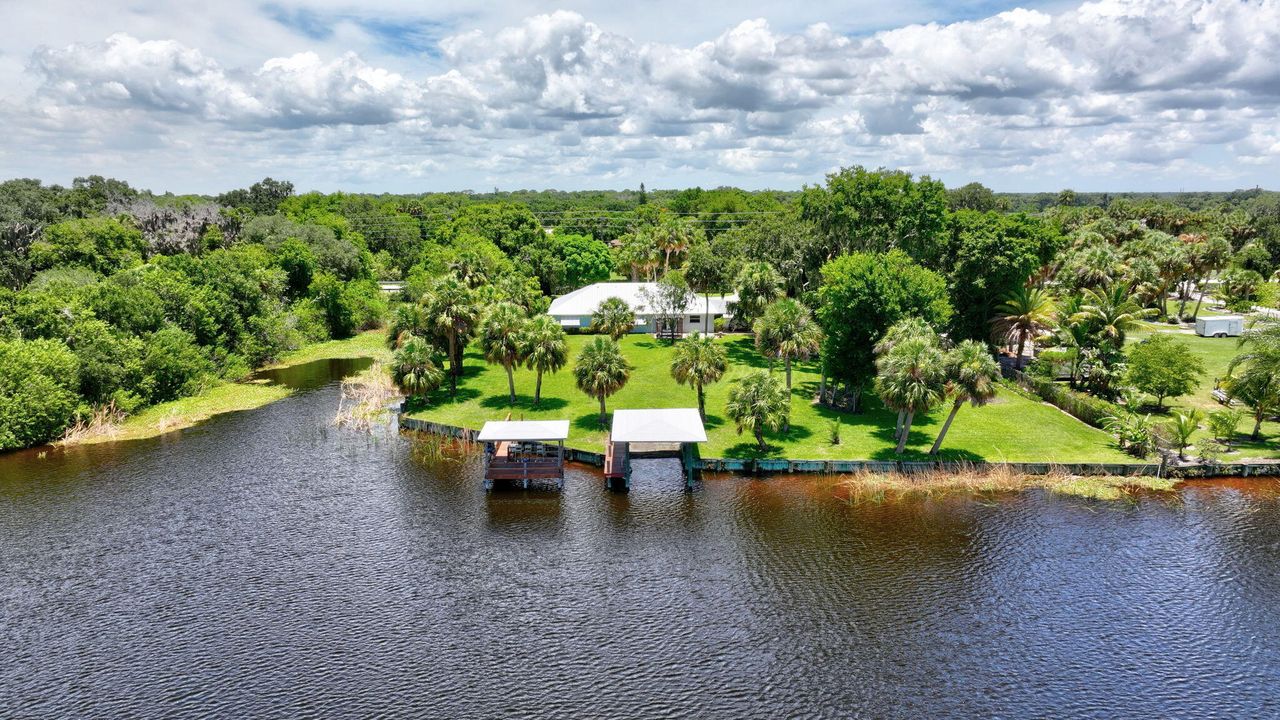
[524,430]
[667,425]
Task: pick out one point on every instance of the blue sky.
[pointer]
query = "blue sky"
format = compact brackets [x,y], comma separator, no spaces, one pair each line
[419,96]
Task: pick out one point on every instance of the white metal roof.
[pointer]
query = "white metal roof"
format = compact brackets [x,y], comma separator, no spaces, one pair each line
[667,425]
[532,430]
[585,300]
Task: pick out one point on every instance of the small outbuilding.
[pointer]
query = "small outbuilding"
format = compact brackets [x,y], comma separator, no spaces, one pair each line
[524,450]
[681,427]
[1220,326]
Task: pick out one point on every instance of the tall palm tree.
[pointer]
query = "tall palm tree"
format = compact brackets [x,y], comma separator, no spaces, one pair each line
[414,368]
[759,401]
[1258,383]
[638,253]
[502,335]
[911,378]
[452,312]
[546,349]
[613,317]
[408,319]
[674,236]
[1023,314]
[905,329]
[699,361]
[600,371]
[1112,312]
[787,332]
[972,377]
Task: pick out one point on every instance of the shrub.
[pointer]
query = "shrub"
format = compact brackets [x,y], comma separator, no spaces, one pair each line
[38,383]
[1223,424]
[173,366]
[1086,408]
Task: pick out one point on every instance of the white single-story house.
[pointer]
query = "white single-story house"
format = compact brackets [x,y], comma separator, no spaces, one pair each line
[574,310]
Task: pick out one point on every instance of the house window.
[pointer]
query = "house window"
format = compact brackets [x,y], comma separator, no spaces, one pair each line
[695,319]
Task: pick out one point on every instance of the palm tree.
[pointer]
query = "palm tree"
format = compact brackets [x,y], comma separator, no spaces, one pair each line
[1024,314]
[757,285]
[545,349]
[699,361]
[759,401]
[638,253]
[408,319]
[907,328]
[502,339]
[788,332]
[601,371]
[1182,427]
[1112,313]
[972,377]
[674,237]
[614,318]
[1258,385]
[452,312]
[911,378]
[414,367]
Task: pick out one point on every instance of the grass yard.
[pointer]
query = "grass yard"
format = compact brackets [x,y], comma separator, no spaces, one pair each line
[1216,354]
[1013,428]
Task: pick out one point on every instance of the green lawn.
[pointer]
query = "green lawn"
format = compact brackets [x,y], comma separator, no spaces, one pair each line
[1012,428]
[1216,354]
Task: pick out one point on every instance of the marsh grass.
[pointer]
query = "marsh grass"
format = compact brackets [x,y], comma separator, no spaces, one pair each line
[870,487]
[433,448]
[103,424]
[365,400]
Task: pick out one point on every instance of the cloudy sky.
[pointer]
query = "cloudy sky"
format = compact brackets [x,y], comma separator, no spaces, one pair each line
[439,95]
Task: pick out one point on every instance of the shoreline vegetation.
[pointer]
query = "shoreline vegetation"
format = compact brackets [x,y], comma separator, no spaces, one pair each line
[222,396]
[879,487]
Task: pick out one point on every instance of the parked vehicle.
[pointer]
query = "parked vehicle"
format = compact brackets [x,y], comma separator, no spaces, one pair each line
[1222,326]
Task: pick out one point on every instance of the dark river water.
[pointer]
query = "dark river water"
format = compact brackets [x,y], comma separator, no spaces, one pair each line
[266,564]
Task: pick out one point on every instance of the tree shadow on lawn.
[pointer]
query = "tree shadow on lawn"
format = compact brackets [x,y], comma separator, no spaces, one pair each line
[590,422]
[749,449]
[523,403]
[742,351]
[440,397]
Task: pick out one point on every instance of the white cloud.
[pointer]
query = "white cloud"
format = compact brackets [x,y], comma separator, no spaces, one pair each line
[1137,90]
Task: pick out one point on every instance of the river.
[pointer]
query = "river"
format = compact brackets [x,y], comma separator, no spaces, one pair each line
[266,564]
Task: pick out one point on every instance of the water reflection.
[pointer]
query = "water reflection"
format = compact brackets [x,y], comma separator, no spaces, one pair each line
[267,564]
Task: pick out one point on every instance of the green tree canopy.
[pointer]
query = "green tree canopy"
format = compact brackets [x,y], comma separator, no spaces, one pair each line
[1163,367]
[990,255]
[877,211]
[102,244]
[862,295]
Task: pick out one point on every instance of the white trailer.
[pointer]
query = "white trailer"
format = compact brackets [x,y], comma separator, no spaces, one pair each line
[1221,326]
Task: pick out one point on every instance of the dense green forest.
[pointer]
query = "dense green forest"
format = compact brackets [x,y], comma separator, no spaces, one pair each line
[116,298]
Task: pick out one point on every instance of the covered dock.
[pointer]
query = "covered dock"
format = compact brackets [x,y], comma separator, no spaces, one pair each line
[524,450]
[681,427]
